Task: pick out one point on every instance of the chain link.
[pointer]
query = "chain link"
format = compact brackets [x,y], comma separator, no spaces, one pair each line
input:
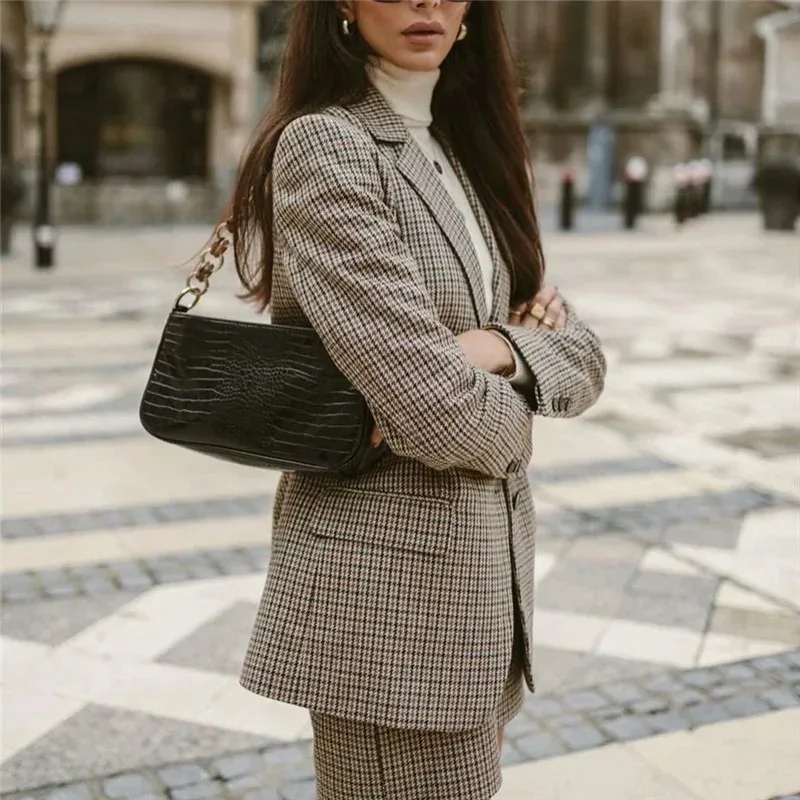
[210,261]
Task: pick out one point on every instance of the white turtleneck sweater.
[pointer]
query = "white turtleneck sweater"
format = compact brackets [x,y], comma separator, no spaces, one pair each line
[409,94]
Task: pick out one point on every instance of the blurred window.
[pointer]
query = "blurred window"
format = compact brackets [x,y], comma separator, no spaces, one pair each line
[134,119]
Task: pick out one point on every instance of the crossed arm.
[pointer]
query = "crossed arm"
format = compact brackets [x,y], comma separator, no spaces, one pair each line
[362,291]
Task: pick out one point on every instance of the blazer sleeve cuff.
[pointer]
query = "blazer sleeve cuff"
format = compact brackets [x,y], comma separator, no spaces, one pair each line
[567,365]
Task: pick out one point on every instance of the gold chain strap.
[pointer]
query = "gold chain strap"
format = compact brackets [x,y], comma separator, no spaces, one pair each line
[209,262]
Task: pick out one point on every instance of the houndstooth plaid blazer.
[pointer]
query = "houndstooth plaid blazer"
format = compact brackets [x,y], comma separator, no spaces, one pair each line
[389,596]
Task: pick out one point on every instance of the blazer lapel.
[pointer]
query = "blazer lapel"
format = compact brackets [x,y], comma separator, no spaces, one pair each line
[501,283]
[417,170]
[385,126]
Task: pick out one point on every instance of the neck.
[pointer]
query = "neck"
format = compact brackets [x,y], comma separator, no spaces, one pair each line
[408,92]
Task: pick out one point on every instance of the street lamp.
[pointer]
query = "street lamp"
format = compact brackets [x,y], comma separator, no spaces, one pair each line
[44,17]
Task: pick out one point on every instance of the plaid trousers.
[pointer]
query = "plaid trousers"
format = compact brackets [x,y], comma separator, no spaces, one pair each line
[360,761]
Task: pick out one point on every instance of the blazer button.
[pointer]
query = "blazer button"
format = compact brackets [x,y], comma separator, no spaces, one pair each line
[438,167]
[560,404]
[514,466]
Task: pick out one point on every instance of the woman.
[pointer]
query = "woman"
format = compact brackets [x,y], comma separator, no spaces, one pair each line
[398,221]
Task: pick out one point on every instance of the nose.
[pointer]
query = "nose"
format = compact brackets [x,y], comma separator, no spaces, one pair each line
[426,3]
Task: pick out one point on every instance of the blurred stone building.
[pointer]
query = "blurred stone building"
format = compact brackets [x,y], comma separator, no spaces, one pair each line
[152,101]
[670,80]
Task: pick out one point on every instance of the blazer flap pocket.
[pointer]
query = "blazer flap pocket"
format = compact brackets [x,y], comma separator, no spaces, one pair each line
[404,522]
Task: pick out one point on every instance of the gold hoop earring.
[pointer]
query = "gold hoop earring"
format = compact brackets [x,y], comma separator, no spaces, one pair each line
[462,32]
[346,29]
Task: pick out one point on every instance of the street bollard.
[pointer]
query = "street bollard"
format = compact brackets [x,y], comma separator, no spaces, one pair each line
[777,181]
[567,201]
[689,193]
[632,203]
[633,200]
[705,195]
[681,206]
[695,189]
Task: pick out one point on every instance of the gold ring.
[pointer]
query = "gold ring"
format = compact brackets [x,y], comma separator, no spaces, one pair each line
[514,313]
[548,322]
[537,311]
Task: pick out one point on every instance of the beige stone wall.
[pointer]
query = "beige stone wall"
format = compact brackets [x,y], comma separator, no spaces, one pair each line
[788,78]
[143,202]
[193,33]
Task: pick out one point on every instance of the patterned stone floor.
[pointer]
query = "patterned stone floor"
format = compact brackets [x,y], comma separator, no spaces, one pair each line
[668,574]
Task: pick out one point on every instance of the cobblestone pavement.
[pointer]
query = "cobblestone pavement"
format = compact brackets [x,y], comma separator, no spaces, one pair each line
[668,571]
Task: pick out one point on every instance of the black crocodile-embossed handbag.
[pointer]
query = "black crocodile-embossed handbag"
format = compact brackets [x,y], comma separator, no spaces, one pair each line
[262,395]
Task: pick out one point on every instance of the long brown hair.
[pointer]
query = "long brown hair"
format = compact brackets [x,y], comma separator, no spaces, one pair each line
[474,108]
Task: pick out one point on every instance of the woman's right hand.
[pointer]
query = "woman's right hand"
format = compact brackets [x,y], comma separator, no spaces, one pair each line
[546,311]
[487,350]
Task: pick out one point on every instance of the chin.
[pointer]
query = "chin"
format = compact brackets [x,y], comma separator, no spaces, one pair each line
[420,62]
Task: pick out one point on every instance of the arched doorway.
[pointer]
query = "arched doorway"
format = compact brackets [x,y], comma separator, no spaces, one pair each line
[134,118]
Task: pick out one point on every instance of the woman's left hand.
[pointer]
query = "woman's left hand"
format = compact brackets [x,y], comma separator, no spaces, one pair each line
[546,311]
